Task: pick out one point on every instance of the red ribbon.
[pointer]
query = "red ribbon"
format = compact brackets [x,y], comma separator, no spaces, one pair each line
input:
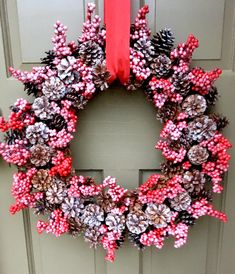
[117,20]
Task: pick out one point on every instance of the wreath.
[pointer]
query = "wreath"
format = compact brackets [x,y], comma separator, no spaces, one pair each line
[38,135]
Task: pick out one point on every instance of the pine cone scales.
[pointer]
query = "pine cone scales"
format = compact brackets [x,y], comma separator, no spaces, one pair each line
[41,180]
[42,108]
[193,181]
[76,227]
[90,53]
[37,133]
[101,76]
[115,222]
[56,192]
[145,47]
[92,215]
[181,82]
[92,235]
[158,215]
[72,207]
[57,122]
[135,239]
[53,88]
[78,101]
[163,41]
[66,72]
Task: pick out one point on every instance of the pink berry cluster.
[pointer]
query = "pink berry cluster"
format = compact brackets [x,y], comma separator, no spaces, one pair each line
[38,137]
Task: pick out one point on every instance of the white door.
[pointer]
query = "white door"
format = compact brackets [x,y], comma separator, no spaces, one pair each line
[118,134]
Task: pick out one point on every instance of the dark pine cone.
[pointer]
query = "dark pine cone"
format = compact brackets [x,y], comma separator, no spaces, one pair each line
[167,112]
[48,60]
[181,83]
[204,194]
[186,218]
[221,121]
[77,99]
[12,135]
[212,96]
[43,207]
[120,241]
[57,122]
[163,42]
[135,239]
[170,169]
[31,89]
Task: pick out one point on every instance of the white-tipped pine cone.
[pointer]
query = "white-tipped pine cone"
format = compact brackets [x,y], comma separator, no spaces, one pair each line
[40,155]
[56,193]
[198,155]
[66,72]
[201,128]
[92,215]
[194,105]
[72,207]
[181,202]
[37,133]
[115,222]
[193,181]
[53,88]
[137,222]
[92,235]
[42,108]
[158,215]
[41,180]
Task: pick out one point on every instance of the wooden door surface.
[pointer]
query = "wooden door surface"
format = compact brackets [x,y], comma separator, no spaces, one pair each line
[117,134]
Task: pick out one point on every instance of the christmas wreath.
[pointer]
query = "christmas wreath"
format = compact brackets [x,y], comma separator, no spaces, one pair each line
[38,134]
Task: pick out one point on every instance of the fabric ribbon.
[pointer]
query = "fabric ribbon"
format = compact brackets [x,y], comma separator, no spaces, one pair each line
[117,21]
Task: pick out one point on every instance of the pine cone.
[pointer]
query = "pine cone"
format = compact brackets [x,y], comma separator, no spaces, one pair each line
[105,201]
[12,135]
[56,193]
[42,108]
[198,155]
[57,122]
[101,76]
[78,101]
[145,47]
[91,53]
[115,222]
[37,133]
[133,84]
[40,155]
[181,202]
[53,88]
[49,59]
[72,207]
[201,128]
[193,181]
[32,89]
[76,227]
[43,207]
[167,112]
[170,169]
[161,66]
[212,96]
[93,236]
[135,239]
[158,215]
[185,218]
[136,222]
[41,180]
[205,194]
[194,105]
[163,42]
[66,72]
[92,215]
[221,121]
[181,82]
[121,239]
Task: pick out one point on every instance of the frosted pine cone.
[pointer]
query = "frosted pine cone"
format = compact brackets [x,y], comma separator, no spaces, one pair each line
[181,202]
[193,181]
[105,201]
[93,236]
[198,155]
[167,112]
[76,227]
[194,105]
[101,76]
[56,193]
[40,155]
[37,133]
[72,207]
[145,47]
[163,41]
[41,180]
[115,222]
[92,215]
[161,66]
[158,215]
[137,222]
[201,128]
[42,108]
[78,101]
[91,53]
[181,82]
[66,72]
[53,88]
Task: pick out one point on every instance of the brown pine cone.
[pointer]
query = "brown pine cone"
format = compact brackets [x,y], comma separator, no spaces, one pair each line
[41,180]
[193,181]
[170,169]
[105,201]
[76,227]
[40,155]
[181,202]
[158,215]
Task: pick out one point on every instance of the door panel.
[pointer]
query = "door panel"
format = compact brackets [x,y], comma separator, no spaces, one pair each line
[116,134]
